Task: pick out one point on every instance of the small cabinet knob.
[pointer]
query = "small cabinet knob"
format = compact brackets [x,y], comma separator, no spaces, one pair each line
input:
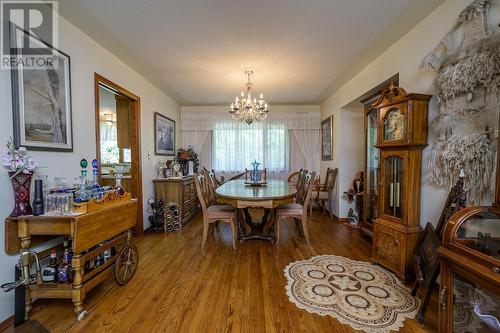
[495,269]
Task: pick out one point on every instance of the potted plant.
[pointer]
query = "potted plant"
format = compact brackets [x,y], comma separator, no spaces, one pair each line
[184,156]
[20,167]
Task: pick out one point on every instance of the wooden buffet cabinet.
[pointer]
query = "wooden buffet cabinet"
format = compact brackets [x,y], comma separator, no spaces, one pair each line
[401,137]
[180,191]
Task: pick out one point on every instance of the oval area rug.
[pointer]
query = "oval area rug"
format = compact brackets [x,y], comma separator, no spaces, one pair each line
[357,293]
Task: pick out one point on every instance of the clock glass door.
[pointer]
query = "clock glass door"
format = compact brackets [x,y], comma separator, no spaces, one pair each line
[394,125]
[372,167]
[393,180]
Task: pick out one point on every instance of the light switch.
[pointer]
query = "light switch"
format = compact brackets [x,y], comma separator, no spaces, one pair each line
[149,155]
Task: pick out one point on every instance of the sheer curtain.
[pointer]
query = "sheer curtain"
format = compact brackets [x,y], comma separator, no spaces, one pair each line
[236,145]
[201,142]
[308,141]
[285,142]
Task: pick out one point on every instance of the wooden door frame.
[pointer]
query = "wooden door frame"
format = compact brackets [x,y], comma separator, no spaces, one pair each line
[136,153]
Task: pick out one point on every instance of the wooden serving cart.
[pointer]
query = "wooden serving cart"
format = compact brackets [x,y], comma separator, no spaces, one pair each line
[108,224]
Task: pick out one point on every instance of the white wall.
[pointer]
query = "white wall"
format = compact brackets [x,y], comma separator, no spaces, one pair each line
[87,57]
[402,57]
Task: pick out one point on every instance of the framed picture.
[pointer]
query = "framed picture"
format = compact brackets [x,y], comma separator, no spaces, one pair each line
[327,139]
[164,135]
[41,99]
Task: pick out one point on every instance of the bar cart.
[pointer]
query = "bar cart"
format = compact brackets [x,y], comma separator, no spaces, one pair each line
[106,224]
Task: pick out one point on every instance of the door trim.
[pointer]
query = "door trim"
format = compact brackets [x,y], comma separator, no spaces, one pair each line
[136,156]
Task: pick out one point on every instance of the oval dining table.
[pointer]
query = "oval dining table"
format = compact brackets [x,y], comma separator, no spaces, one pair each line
[242,196]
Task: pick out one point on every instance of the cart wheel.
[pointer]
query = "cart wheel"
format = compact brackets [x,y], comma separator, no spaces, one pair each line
[126,264]
[81,316]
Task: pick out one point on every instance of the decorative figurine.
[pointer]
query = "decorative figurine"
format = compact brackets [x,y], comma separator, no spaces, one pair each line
[255,172]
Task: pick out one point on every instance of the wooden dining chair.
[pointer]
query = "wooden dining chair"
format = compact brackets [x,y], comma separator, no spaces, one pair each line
[262,174]
[293,178]
[323,195]
[212,185]
[213,213]
[298,210]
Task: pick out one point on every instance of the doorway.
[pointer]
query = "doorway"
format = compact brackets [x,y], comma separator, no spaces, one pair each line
[117,119]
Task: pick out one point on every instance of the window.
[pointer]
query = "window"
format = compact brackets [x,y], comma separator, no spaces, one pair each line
[236,145]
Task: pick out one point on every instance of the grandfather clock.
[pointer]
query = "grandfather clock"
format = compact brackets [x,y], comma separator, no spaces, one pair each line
[402,135]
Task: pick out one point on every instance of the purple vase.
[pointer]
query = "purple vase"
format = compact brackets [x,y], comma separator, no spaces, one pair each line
[21,184]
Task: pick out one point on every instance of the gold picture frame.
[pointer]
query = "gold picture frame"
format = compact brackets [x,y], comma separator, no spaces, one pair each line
[327,139]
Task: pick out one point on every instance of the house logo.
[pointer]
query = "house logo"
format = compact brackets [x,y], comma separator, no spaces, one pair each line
[29,34]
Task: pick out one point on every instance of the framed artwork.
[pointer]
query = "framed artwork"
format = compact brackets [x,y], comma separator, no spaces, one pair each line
[41,99]
[327,139]
[164,135]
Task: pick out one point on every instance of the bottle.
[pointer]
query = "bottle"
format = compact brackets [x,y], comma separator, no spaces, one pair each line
[95,166]
[65,272]
[49,273]
[118,186]
[38,200]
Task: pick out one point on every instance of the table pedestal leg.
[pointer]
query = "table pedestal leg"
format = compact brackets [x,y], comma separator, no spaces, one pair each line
[258,230]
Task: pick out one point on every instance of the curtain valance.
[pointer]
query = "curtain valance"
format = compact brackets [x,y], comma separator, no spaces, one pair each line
[194,121]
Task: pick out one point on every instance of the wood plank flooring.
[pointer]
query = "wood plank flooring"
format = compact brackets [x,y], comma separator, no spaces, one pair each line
[179,288]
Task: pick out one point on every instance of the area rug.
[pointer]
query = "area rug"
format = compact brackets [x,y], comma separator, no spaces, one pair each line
[356,293]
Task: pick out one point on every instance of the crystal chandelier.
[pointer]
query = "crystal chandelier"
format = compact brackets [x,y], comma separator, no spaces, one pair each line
[246,108]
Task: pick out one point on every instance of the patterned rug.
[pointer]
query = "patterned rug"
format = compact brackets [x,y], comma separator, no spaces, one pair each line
[356,293]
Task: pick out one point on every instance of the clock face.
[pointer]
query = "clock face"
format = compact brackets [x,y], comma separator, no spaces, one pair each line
[394,125]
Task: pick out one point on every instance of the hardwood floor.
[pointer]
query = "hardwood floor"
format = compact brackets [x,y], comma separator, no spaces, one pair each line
[179,288]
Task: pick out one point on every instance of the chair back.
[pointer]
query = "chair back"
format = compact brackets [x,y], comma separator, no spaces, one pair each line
[299,196]
[219,180]
[308,187]
[331,178]
[262,174]
[212,184]
[200,183]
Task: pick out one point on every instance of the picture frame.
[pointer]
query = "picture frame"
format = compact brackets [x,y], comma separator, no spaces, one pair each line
[164,135]
[41,99]
[327,139]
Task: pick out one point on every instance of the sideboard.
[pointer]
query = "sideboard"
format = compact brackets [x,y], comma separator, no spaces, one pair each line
[180,191]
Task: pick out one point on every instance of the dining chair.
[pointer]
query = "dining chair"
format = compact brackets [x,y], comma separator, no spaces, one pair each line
[293,178]
[324,192]
[219,180]
[298,210]
[212,185]
[238,176]
[262,174]
[213,213]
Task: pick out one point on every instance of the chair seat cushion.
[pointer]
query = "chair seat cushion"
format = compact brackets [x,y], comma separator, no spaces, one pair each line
[323,196]
[290,209]
[221,212]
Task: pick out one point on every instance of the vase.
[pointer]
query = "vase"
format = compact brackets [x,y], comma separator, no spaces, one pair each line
[184,167]
[21,183]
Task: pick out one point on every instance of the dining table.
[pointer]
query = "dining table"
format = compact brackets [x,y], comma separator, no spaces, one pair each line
[241,195]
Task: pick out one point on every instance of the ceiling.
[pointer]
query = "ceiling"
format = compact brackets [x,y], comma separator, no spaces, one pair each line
[197,50]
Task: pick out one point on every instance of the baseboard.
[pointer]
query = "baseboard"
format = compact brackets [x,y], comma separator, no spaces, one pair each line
[6,324]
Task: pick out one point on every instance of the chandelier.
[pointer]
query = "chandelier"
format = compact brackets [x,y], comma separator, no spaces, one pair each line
[246,108]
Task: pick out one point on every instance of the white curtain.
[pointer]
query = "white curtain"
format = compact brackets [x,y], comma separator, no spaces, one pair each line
[236,145]
[308,142]
[283,143]
[201,142]
[108,131]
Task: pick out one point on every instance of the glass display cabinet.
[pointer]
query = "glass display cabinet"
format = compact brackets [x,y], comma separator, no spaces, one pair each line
[370,198]
[469,297]
[401,137]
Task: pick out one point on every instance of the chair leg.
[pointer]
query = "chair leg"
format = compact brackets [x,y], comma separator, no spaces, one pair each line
[277,226]
[304,229]
[233,229]
[205,234]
